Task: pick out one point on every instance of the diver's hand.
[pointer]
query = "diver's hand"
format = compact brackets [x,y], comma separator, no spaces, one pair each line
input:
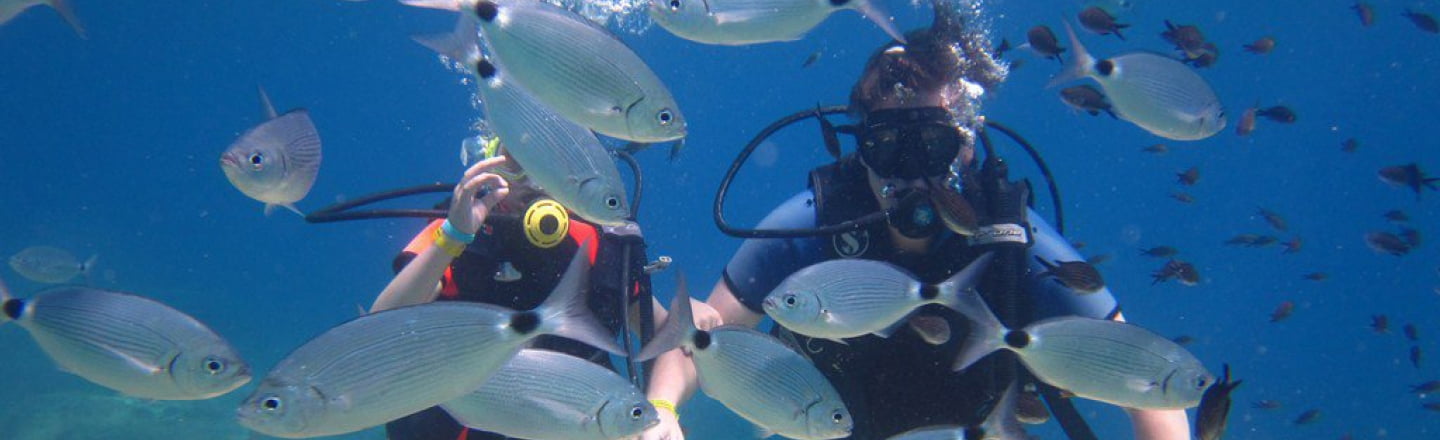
[667,429]
[706,317]
[466,215]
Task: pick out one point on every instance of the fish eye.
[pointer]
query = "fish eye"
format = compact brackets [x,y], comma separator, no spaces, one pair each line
[674,5]
[838,417]
[612,202]
[271,403]
[636,413]
[214,366]
[790,300]
[665,117]
[1201,382]
[257,160]
[1105,67]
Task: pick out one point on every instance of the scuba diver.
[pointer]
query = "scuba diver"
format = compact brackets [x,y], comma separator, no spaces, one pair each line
[916,139]
[502,242]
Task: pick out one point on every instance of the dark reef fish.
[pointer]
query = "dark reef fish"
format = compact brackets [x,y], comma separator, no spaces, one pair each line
[1267,404]
[1243,240]
[1316,276]
[1186,38]
[1292,246]
[1380,324]
[1386,243]
[1424,21]
[1409,176]
[1273,219]
[1188,177]
[1095,19]
[1176,270]
[1160,252]
[1411,332]
[1307,417]
[1214,408]
[1426,388]
[1415,355]
[1156,149]
[1088,99]
[1079,276]
[1279,113]
[1183,197]
[1350,145]
[1043,41]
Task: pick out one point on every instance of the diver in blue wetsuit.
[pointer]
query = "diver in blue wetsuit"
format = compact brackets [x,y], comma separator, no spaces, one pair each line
[916,137]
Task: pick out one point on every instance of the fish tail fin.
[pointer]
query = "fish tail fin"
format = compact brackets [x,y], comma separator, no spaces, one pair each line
[1001,422]
[986,332]
[445,5]
[1080,61]
[963,282]
[679,325]
[877,14]
[67,12]
[461,45]
[6,309]
[88,266]
[566,312]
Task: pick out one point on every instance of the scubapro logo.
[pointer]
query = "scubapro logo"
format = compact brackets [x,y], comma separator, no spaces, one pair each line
[851,243]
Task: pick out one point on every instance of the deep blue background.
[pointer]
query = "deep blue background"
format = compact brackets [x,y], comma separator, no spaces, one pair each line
[111,147]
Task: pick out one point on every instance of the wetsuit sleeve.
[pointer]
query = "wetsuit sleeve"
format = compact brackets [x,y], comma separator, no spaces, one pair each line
[1052,298]
[762,263]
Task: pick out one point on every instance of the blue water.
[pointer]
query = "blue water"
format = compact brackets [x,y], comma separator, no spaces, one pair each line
[111,147]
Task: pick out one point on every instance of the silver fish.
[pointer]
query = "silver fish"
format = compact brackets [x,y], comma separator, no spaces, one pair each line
[1108,361]
[848,298]
[755,375]
[128,343]
[566,160]
[277,161]
[740,22]
[383,366]
[545,395]
[1153,91]
[51,265]
[10,8]
[577,68]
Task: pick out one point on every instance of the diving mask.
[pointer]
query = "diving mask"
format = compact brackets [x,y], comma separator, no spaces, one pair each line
[909,143]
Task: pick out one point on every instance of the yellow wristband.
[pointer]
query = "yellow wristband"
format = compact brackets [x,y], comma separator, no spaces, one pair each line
[665,405]
[448,244]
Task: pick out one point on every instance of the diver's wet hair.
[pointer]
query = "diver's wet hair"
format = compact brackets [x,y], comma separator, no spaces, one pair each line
[946,64]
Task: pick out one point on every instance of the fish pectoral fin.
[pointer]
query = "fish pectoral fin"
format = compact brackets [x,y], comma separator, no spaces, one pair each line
[1141,385]
[725,17]
[137,363]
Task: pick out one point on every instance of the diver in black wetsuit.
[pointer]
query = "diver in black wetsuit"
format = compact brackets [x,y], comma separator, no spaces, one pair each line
[917,133]
[507,248]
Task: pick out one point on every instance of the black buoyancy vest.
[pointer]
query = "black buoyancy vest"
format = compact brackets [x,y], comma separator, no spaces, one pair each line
[901,382]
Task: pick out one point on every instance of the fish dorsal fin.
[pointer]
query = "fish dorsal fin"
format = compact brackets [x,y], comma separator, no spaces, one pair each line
[265,105]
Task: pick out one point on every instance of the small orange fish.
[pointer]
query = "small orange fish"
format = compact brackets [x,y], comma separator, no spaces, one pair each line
[1365,12]
[1283,311]
[1246,125]
[1262,46]
[1292,246]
